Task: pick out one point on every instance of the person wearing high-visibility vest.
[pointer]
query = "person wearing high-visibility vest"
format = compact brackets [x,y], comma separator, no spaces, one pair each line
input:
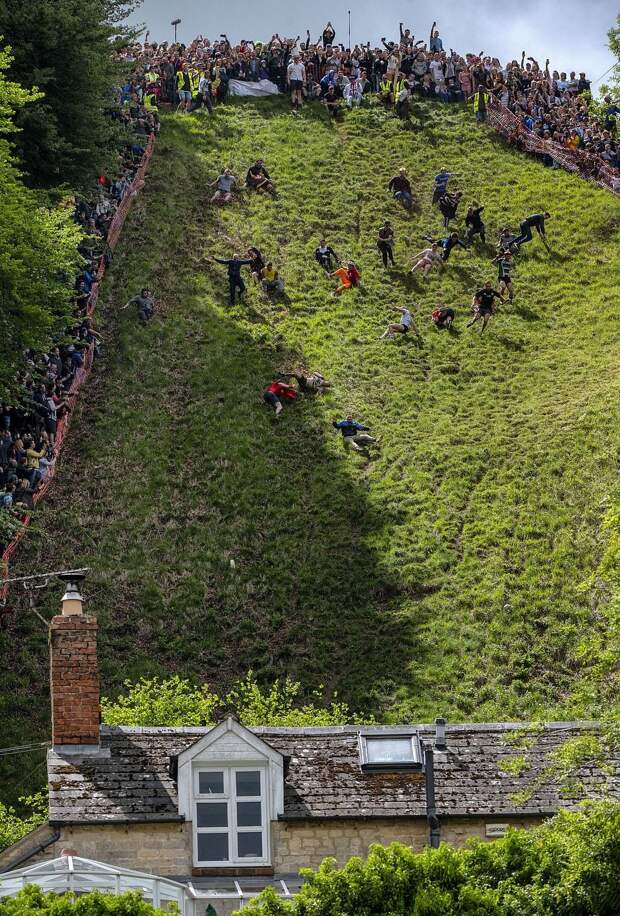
[385,93]
[481,98]
[187,87]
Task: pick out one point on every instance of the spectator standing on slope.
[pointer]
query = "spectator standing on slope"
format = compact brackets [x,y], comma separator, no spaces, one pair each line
[295,78]
[235,282]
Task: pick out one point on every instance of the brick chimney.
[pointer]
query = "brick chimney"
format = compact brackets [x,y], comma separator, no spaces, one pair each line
[74,673]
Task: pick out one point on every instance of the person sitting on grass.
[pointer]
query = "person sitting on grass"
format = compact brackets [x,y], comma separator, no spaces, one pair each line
[474,224]
[400,186]
[426,259]
[325,255]
[348,275]
[504,263]
[354,435]
[332,102]
[400,327]
[443,317]
[145,303]
[483,304]
[258,178]
[224,187]
[277,390]
[270,279]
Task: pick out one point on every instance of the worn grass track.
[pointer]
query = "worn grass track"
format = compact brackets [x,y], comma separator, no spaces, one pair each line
[443,577]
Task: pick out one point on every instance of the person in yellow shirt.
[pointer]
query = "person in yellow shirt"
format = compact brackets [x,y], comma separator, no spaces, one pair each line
[270,279]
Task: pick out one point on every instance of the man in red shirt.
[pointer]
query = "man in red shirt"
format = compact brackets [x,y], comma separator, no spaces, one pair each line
[278,390]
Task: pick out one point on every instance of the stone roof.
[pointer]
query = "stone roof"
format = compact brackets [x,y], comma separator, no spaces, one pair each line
[481,770]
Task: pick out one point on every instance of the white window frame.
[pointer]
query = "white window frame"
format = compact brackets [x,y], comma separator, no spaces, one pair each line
[416,763]
[231,798]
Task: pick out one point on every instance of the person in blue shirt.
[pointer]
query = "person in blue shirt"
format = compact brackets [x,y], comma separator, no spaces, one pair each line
[447,244]
[441,184]
[435,42]
[354,435]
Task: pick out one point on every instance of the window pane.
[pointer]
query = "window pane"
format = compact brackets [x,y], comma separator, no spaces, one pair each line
[248,782]
[212,814]
[249,814]
[212,847]
[389,750]
[211,783]
[250,845]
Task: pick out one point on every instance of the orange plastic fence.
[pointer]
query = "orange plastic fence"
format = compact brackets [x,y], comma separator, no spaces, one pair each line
[82,374]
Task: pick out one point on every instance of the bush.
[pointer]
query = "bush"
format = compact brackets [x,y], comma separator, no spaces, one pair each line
[33,900]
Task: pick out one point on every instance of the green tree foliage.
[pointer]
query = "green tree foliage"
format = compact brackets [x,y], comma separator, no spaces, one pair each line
[38,246]
[568,867]
[13,826]
[176,702]
[32,900]
[65,48]
[614,46]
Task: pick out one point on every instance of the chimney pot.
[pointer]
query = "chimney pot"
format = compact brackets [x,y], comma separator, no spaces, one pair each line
[72,599]
[440,733]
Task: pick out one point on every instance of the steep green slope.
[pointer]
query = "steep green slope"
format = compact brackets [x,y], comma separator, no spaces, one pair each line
[446,575]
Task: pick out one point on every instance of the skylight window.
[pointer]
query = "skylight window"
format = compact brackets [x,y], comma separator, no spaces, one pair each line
[390,752]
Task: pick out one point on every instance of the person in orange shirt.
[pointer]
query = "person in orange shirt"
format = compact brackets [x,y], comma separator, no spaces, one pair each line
[348,275]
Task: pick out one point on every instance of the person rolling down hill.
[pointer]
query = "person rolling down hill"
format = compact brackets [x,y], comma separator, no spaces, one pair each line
[447,244]
[441,184]
[448,205]
[401,327]
[484,304]
[278,390]
[325,255]
[504,263]
[400,187]
[385,243]
[354,435]
[474,224]
[146,305]
[443,317]
[348,275]
[313,383]
[235,282]
[427,258]
[537,221]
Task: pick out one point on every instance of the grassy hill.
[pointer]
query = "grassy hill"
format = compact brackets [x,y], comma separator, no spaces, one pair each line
[451,574]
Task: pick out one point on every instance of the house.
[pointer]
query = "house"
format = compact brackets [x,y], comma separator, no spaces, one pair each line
[228,805]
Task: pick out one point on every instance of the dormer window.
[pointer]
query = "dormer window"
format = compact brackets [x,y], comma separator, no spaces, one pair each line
[390,752]
[231,817]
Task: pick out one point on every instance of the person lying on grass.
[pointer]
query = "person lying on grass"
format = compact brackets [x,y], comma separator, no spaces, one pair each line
[443,317]
[400,327]
[426,259]
[348,275]
[277,390]
[354,435]
[258,179]
[270,279]
[145,303]
[224,186]
[447,244]
[483,305]
[312,383]
[325,255]
[504,263]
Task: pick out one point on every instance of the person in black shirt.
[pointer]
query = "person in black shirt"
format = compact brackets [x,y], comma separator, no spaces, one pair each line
[328,35]
[443,317]
[474,224]
[504,265]
[259,178]
[537,221]
[448,205]
[325,255]
[235,282]
[385,243]
[484,304]
[400,186]
[256,262]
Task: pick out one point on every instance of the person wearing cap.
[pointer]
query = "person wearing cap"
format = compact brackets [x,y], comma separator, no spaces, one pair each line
[295,79]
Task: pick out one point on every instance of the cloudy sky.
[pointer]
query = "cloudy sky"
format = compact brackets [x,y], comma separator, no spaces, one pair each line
[571,32]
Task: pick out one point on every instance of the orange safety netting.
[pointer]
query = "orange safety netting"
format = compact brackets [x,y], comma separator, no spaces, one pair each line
[83,372]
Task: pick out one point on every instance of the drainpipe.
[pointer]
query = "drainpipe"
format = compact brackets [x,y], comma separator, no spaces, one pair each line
[431,812]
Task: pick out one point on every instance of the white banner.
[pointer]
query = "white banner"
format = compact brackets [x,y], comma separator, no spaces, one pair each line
[263,87]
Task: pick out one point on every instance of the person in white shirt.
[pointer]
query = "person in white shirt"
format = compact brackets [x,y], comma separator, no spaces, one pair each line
[353,93]
[426,259]
[401,327]
[296,77]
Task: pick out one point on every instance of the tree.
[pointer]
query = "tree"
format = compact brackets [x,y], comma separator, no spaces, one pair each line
[176,702]
[614,46]
[33,900]
[569,866]
[38,247]
[66,48]
[13,827]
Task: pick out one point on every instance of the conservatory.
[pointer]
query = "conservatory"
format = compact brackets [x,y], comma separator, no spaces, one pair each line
[79,876]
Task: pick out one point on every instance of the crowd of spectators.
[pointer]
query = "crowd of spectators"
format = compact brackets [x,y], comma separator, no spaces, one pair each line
[42,390]
[553,106]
